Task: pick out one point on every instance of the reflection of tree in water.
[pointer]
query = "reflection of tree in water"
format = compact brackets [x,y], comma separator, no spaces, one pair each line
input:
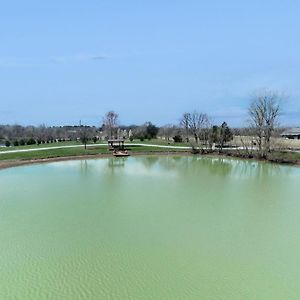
[110,179]
[189,165]
[217,166]
[149,161]
[116,162]
[195,166]
[84,167]
[259,170]
[115,167]
[164,162]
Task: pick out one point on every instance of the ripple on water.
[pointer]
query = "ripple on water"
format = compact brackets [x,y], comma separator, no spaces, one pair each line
[150,229]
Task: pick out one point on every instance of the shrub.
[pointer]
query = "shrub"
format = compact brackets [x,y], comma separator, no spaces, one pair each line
[131,138]
[31,141]
[16,143]
[177,139]
[7,143]
[22,142]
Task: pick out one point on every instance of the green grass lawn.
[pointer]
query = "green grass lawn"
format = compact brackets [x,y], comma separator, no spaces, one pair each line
[276,156]
[286,156]
[74,143]
[53,153]
[291,157]
[76,151]
[58,144]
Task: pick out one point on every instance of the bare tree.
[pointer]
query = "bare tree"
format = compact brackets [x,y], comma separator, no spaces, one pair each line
[245,137]
[110,122]
[167,131]
[185,124]
[264,112]
[196,124]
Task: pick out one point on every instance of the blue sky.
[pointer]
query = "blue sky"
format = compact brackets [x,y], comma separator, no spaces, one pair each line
[65,61]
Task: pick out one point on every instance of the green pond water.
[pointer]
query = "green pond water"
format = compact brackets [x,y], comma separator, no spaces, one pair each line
[150,228]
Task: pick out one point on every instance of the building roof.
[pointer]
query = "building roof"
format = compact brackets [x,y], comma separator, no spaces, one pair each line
[291,131]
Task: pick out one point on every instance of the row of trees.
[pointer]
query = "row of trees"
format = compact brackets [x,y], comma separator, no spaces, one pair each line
[18,135]
[263,123]
[194,127]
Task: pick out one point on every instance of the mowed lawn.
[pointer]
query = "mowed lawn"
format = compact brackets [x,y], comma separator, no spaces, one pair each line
[77,151]
[36,146]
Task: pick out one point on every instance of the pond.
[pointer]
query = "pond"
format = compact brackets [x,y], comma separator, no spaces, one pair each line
[152,227]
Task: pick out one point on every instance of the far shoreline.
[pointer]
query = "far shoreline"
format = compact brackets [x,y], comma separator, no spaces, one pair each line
[5,164]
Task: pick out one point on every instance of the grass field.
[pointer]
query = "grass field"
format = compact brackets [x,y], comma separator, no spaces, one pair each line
[74,143]
[76,151]
[58,144]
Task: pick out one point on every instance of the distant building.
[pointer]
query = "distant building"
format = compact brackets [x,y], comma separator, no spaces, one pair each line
[292,133]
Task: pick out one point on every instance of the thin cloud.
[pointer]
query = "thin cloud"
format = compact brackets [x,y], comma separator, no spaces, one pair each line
[98,57]
[78,58]
[230,112]
[25,62]
[21,63]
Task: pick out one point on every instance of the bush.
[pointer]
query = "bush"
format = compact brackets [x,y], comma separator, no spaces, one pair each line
[131,138]
[177,139]
[142,138]
[16,143]
[7,143]
[31,141]
[95,139]
[22,142]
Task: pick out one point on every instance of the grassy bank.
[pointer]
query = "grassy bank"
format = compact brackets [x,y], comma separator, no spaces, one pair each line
[36,146]
[76,151]
[8,159]
[282,157]
[161,142]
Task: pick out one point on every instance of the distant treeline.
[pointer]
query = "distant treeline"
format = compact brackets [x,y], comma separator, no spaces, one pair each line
[195,128]
[17,135]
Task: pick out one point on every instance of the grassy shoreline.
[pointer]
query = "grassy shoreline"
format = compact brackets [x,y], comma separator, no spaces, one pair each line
[98,151]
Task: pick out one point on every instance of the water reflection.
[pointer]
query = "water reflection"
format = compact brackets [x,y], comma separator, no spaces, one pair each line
[182,166]
[194,166]
[116,162]
[155,222]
